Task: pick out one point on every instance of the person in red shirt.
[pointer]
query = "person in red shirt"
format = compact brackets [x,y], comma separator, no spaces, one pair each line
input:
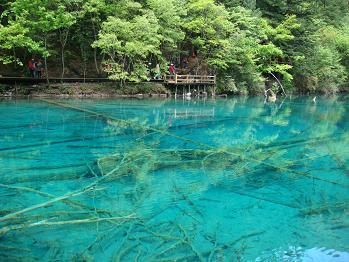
[172,70]
[31,67]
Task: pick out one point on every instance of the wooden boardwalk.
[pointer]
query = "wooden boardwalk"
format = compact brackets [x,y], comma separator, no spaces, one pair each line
[183,80]
[31,80]
[190,80]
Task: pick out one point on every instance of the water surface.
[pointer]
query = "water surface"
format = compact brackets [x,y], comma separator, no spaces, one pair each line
[165,180]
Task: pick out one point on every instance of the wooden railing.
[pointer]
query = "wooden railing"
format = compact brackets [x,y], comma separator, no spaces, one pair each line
[190,79]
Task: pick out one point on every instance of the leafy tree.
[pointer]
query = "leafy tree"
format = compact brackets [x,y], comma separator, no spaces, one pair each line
[93,12]
[36,20]
[209,30]
[170,19]
[128,44]
[325,67]
[246,43]
[256,54]
[15,36]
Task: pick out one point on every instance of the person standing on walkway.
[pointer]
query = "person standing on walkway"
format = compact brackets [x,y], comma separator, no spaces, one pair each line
[185,63]
[172,70]
[157,71]
[39,69]
[31,67]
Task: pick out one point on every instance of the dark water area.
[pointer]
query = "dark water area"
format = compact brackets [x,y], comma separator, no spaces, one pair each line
[174,180]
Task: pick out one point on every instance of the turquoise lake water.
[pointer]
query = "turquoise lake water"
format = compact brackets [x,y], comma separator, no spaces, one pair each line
[174,180]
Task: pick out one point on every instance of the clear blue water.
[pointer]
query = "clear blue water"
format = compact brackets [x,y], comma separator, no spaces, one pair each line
[174,180]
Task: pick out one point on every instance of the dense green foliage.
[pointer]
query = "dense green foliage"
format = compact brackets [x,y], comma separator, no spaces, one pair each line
[248,44]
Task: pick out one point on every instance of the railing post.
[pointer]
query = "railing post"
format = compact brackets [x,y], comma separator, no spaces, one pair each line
[176,78]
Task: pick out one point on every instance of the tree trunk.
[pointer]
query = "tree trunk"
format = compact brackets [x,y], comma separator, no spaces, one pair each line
[63,37]
[84,65]
[96,63]
[45,61]
[63,66]
[95,50]
[282,87]
[15,57]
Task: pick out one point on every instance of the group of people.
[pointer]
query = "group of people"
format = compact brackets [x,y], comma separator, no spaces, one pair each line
[35,68]
[171,69]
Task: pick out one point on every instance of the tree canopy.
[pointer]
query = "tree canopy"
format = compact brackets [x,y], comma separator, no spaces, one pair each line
[248,44]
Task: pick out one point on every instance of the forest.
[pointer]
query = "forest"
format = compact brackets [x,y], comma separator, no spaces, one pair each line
[249,45]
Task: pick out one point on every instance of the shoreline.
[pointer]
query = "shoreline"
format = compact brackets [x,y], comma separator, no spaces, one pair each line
[110,90]
[84,90]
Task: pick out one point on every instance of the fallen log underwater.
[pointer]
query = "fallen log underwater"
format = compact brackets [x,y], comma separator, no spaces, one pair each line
[140,160]
[128,123]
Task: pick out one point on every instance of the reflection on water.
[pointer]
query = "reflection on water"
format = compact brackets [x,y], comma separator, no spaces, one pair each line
[154,180]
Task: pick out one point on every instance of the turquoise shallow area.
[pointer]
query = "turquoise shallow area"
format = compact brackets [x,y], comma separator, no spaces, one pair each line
[174,180]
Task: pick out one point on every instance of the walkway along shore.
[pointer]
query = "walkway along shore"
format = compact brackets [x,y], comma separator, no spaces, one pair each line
[180,85]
